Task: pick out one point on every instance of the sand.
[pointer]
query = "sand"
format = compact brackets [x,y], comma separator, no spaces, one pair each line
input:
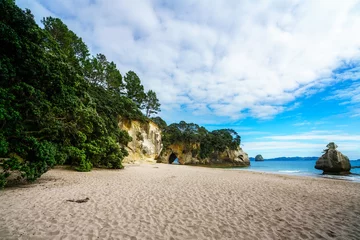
[160,201]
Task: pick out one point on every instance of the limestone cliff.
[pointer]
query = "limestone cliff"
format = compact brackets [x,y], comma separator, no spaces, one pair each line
[190,155]
[146,143]
[146,146]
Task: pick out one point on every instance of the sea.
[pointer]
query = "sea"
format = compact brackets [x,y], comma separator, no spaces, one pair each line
[300,168]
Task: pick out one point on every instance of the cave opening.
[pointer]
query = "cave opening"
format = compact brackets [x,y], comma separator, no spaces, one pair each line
[173,159]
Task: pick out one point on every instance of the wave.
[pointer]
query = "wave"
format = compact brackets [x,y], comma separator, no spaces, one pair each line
[289,171]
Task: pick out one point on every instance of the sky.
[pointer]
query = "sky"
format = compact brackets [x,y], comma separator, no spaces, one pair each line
[283,74]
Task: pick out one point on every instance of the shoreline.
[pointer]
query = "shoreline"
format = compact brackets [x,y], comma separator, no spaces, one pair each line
[335,177]
[163,201]
[311,175]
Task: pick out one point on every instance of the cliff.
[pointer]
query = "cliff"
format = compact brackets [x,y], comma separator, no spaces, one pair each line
[146,146]
[190,155]
[146,143]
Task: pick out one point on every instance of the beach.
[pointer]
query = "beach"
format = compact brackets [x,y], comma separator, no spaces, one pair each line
[162,201]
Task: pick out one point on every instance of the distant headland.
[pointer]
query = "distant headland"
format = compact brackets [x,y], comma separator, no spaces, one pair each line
[288,159]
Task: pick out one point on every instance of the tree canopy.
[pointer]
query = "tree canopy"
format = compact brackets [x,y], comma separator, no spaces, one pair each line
[58,104]
[151,103]
[191,133]
[134,89]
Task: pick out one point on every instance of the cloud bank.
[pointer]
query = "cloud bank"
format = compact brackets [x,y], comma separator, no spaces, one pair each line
[304,144]
[229,58]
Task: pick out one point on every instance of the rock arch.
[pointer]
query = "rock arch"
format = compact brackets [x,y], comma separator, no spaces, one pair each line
[172,158]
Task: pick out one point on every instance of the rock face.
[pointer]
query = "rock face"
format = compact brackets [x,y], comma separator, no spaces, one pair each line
[189,155]
[146,146]
[146,143]
[333,161]
[259,158]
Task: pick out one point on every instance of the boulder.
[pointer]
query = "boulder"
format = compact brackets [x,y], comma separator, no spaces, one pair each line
[259,158]
[333,161]
[234,158]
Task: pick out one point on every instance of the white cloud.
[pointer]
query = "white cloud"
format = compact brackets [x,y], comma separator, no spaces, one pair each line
[349,95]
[303,123]
[271,149]
[230,58]
[304,144]
[281,145]
[317,136]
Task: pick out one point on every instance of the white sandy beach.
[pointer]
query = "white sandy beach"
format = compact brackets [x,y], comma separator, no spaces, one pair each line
[180,202]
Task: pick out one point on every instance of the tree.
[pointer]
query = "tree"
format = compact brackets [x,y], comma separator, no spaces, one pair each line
[160,122]
[33,76]
[210,142]
[152,104]
[49,113]
[99,71]
[95,71]
[56,104]
[134,89]
[113,78]
[73,46]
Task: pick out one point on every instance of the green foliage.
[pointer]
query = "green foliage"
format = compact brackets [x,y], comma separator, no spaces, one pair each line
[190,133]
[34,159]
[4,146]
[225,138]
[331,145]
[73,47]
[134,89]
[3,180]
[100,72]
[160,122]
[151,103]
[57,104]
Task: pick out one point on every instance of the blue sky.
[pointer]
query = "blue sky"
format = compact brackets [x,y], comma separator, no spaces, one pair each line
[284,74]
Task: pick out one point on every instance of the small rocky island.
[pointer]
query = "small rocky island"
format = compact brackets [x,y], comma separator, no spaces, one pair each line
[259,158]
[333,161]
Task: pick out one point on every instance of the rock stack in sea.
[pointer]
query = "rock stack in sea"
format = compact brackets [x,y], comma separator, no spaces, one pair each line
[259,158]
[333,161]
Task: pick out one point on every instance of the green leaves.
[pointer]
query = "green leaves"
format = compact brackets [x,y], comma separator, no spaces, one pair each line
[134,89]
[73,47]
[151,103]
[58,105]
[190,133]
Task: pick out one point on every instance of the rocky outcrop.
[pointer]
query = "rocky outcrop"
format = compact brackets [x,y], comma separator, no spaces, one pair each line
[146,146]
[184,154]
[333,161]
[146,143]
[190,155]
[259,158]
[231,158]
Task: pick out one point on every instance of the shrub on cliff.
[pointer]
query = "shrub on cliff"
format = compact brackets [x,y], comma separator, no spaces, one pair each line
[190,133]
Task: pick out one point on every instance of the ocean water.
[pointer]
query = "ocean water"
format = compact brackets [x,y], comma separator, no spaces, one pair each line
[300,168]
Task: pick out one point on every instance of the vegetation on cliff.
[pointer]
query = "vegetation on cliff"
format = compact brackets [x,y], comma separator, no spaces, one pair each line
[58,104]
[191,133]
